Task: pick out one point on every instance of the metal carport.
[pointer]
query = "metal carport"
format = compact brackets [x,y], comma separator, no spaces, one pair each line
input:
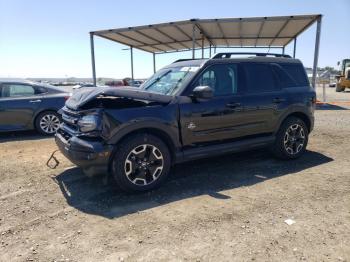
[254,32]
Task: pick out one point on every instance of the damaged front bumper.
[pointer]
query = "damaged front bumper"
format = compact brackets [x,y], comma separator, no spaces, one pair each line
[90,155]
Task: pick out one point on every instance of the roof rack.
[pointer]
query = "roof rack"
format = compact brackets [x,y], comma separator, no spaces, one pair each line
[229,54]
[185,59]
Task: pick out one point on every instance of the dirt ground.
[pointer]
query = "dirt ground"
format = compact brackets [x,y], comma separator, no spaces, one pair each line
[229,208]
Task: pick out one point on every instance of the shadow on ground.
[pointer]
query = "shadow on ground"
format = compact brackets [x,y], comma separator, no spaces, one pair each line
[204,177]
[21,136]
[327,106]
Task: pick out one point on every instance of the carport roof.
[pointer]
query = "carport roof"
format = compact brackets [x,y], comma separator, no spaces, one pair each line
[276,31]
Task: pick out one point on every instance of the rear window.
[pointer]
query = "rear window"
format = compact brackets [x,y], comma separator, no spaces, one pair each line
[297,73]
[259,78]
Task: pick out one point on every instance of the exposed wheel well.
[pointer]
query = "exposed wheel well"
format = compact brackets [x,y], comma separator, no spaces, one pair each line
[303,117]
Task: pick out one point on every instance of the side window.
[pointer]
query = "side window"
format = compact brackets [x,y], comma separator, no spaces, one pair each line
[16,90]
[285,80]
[297,72]
[259,78]
[40,90]
[221,78]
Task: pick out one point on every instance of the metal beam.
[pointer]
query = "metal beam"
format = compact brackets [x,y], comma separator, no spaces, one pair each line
[204,33]
[132,62]
[239,32]
[259,33]
[193,41]
[93,58]
[279,31]
[202,46]
[295,47]
[184,33]
[170,37]
[317,47]
[153,39]
[154,62]
[222,33]
[136,40]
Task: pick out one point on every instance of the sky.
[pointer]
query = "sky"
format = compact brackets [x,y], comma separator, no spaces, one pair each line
[51,38]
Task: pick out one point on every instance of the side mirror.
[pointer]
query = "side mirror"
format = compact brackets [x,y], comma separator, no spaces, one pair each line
[202,92]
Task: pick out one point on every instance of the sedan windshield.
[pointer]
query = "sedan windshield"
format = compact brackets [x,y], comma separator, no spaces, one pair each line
[168,81]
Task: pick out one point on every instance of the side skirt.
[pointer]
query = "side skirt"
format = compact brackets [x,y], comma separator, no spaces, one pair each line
[220,149]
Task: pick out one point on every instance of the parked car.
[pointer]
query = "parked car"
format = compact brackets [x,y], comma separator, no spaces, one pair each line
[27,105]
[188,110]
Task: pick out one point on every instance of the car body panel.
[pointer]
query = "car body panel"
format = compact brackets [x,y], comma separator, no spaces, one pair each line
[19,113]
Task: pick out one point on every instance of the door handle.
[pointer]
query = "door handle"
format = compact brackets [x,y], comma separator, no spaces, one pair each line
[35,101]
[278,100]
[233,105]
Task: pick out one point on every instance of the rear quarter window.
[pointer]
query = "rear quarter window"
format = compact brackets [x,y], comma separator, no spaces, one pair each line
[297,73]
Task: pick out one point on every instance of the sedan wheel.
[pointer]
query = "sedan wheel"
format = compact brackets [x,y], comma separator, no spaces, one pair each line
[48,123]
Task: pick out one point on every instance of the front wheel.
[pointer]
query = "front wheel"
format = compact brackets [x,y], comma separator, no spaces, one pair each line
[141,163]
[291,139]
[47,123]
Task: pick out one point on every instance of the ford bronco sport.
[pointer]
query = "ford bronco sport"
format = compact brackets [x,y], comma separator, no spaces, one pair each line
[188,110]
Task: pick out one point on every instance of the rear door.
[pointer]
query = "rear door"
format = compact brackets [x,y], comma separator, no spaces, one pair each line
[18,103]
[263,99]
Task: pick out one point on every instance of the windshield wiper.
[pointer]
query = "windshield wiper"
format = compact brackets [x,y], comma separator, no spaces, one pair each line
[157,79]
[178,82]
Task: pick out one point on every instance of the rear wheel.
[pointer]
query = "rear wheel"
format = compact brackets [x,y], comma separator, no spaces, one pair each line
[291,139]
[339,88]
[47,122]
[141,163]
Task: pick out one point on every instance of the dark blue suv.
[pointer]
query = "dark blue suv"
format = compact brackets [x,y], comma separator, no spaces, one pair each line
[188,110]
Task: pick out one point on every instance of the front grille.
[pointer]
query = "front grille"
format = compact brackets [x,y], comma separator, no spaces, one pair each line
[65,134]
[70,119]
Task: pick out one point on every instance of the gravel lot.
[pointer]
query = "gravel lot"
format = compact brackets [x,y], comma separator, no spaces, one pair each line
[229,208]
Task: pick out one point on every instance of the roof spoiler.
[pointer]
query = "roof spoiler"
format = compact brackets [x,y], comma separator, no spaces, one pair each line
[229,54]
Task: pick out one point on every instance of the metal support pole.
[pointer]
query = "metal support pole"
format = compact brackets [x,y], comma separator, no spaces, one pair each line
[209,50]
[132,62]
[282,50]
[154,62]
[193,40]
[214,49]
[317,47]
[202,47]
[295,47]
[93,58]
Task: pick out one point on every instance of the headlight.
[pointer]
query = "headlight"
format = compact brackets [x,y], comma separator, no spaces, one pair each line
[89,123]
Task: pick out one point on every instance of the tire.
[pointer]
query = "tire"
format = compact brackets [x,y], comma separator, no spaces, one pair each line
[291,139]
[47,123]
[140,163]
[339,88]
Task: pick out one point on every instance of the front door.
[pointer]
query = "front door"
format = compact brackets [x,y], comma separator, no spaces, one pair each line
[215,119]
[18,104]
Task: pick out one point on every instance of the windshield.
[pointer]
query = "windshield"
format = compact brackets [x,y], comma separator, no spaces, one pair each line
[168,81]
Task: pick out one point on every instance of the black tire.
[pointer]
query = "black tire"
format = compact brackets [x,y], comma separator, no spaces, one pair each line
[284,147]
[132,168]
[339,88]
[53,120]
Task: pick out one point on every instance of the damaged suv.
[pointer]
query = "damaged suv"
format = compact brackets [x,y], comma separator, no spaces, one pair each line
[188,110]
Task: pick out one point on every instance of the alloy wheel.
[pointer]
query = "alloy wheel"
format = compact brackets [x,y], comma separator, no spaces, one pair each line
[144,164]
[294,139]
[49,123]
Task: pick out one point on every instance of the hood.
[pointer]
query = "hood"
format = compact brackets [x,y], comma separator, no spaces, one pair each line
[85,95]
